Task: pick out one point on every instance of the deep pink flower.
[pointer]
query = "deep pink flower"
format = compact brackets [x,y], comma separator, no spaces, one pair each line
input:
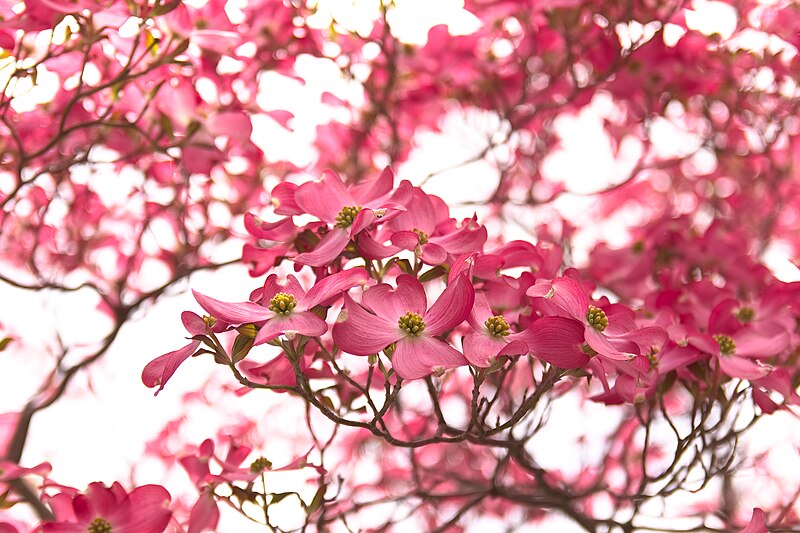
[758,523]
[491,336]
[145,510]
[349,211]
[401,316]
[159,370]
[285,308]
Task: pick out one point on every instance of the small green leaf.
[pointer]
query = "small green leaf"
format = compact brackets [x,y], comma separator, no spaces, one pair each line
[4,343]
[433,273]
[241,347]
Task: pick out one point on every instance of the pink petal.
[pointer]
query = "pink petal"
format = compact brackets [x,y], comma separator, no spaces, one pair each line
[60,528]
[481,348]
[159,370]
[762,340]
[303,323]
[273,286]
[452,307]
[558,341]
[204,515]
[326,250]
[151,514]
[738,367]
[279,231]
[324,198]
[233,313]
[283,199]
[369,248]
[417,357]
[433,254]
[370,190]
[601,344]
[391,304]
[364,219]
[359,332]
[678,357]
[407,240]
[332,286]
[480,312]
[758,523]
[565,293]
[193,323]
[466,239]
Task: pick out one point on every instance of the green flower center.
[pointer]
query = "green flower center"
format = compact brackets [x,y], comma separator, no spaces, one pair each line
[497,326]
[726,344]
[346,216]
[746,314]
[421,235]
[260,464]
[412,324]
[597,318]
[282,303]
[99,525]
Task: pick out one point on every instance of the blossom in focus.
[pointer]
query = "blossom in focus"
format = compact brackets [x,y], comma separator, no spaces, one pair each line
[401,316]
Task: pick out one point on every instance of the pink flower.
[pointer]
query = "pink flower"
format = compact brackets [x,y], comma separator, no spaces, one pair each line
[401,316]
[491,336]
[159,370]
[285,308]
[350,211]
[111,509]
[758,523]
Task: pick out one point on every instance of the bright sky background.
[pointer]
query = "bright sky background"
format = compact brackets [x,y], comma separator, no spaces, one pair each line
[98,431]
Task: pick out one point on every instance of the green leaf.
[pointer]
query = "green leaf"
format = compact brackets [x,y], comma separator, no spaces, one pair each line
[241,347]
[280,496]
[318,500]
[433,273]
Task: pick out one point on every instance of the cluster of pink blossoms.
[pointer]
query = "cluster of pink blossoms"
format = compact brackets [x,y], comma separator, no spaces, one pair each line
[379,251]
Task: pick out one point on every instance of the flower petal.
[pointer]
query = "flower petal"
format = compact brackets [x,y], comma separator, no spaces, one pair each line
[480,347]
[452,307]
[159,370]
[324,198]
[273,286]
[359,332]
[303,323]
[233,313]
[433,254]
[326,250]
[193,323]
[332,286]
[601,344]
[565,293]
[370,190]
[417,357]
[558,341]
[739,367]
[151,515]
[758,522]
[390,303]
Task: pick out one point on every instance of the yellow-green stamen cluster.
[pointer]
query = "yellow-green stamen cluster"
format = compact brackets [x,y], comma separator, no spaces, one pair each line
[746,314]
[726,344]
[209,321]
[421,235]
[260,464]
[99,525]
[597,318]
[282,303]
[412,324]
[347,215]
[497,326]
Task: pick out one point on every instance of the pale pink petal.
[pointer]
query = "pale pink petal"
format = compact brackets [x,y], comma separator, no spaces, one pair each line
[765,340]
[390,303]
[279,231]
[558,341]
[739,367]
[159,370]
[324,198]
[452,307]
[678,357]
[326,250]
[302,323]
[758,523]
[417,357]
[332,286]
[233,313]
[359,332]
